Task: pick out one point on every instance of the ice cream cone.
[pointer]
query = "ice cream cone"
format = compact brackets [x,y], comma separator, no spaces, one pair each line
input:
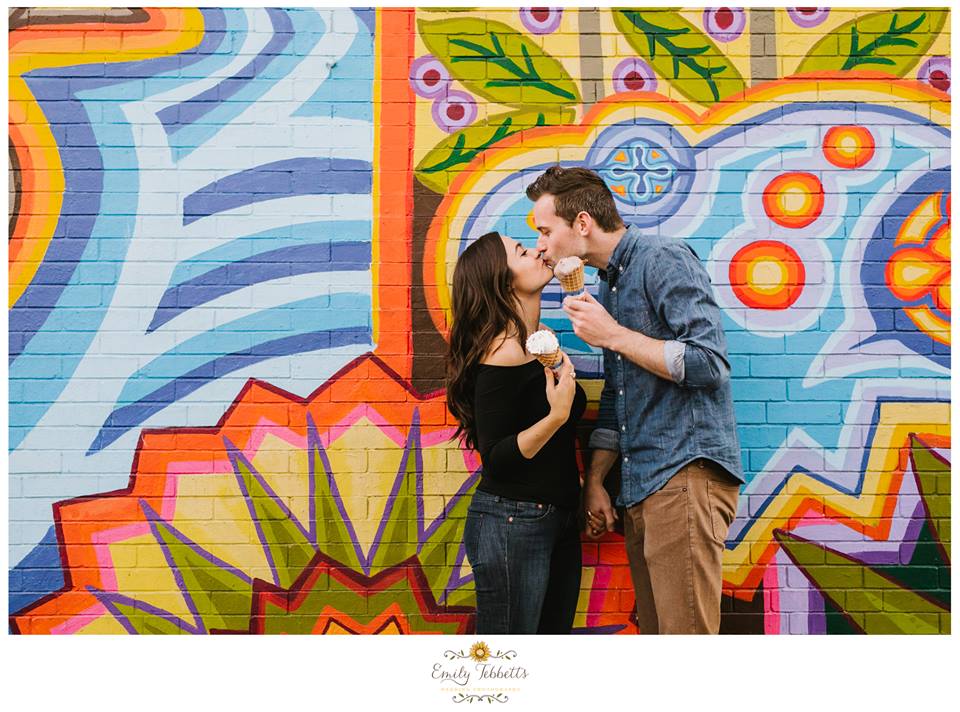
[544,345]
[551,360]
[569,271]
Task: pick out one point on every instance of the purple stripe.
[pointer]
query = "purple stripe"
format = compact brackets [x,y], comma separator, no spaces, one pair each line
[130,416]
[280,179]
[598,630]
[110,599]
[462,492]
[273,495]
[274,264]
[418,485]
[153,518]
[312,482]
[177,116]
[456,580]
[234,454]
[816,613]
[412,444]
[82,170]
[313,439]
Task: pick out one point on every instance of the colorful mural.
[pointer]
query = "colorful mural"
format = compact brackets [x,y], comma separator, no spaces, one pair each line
[232,234]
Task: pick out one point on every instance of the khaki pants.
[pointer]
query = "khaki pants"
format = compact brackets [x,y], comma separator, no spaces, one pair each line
[674,541]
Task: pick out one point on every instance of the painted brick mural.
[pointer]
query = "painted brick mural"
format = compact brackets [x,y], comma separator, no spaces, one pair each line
[232,233]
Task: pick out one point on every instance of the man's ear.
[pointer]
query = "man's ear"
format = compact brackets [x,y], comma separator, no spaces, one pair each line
[583,223]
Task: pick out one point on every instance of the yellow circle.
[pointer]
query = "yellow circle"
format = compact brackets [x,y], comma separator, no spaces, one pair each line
[794,200]
[767,276]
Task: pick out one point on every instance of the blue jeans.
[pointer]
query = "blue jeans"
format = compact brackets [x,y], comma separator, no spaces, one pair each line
[526,564]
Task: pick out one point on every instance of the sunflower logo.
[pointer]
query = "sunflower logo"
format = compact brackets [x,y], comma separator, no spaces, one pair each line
[480,652]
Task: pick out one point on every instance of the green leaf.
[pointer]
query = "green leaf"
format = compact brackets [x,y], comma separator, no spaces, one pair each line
[221,598]
[445,161]
[436,552]
[289,548]
[129,610]
[498,63]
[873,602]
[933,481]
[679,52]
[398,539]
[894,41]
[333,537]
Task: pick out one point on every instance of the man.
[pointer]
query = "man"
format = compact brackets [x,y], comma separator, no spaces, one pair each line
[666,406]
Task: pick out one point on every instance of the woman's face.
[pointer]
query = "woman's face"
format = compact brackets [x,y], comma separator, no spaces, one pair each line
[530,273]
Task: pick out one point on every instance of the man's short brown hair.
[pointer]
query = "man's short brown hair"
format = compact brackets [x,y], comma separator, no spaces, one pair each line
[577,190]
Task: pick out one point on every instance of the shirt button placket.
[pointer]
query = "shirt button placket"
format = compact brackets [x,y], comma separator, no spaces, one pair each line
[621,385]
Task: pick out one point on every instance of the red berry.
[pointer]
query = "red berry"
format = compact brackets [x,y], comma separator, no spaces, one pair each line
[939,80]
[634,81]
[540,14]
[723,17]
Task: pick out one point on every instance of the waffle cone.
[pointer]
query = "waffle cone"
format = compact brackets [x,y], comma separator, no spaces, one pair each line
[551,360]
[572,282]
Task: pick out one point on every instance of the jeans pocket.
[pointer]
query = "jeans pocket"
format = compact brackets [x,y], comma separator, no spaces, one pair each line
[472,530]
[722,498]
[531,511]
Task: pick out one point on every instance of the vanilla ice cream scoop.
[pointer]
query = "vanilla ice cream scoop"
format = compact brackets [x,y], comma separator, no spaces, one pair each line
[544,345]
[569,271]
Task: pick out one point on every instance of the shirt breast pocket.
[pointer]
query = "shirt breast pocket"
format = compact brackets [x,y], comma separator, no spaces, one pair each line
[635,312]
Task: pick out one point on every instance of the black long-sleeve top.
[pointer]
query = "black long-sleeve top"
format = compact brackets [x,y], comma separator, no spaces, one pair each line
[507,401]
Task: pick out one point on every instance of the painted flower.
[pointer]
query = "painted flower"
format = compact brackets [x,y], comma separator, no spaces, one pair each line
[634,75]
[454,110]
[541,20]
[292,553]
[480,652]
[808,16]
[724,24]
[936,72]
[429,77]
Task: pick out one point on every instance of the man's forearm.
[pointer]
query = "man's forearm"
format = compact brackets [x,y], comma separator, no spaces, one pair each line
[643,350]
[600,463]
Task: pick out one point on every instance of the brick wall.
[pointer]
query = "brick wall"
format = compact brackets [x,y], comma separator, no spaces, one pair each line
[231,236]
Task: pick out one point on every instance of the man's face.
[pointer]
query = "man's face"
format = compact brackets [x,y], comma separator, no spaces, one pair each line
[557,239]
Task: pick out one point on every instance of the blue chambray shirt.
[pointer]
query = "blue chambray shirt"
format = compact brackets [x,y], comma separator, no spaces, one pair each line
[657,286]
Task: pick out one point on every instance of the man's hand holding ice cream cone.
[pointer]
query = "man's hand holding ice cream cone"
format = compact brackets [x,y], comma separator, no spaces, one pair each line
[591,322]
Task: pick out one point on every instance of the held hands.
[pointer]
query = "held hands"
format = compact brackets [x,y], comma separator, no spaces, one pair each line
[561,388]
[591,322]
[600,515]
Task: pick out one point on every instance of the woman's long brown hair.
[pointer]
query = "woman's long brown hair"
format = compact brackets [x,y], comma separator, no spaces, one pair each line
[484,305]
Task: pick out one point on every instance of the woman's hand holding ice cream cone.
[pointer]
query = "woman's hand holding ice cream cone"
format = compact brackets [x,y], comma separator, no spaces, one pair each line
[561,388]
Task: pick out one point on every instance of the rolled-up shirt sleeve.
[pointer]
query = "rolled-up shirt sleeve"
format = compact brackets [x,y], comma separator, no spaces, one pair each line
[679,289]
[673,354]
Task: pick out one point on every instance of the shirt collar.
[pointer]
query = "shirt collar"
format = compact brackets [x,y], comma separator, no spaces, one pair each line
[620,258]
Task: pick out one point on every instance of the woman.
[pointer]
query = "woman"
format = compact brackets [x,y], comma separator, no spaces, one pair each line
[521,535]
